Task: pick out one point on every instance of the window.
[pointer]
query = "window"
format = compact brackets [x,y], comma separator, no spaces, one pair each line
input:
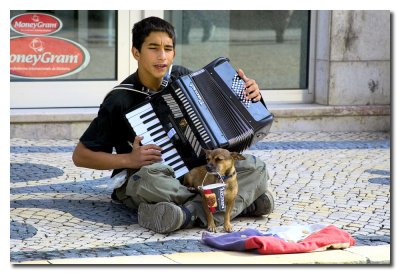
[270,46]
[44,45]
[66,58]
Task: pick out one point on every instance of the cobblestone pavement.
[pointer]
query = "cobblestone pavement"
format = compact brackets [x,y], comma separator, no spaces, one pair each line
[60,211]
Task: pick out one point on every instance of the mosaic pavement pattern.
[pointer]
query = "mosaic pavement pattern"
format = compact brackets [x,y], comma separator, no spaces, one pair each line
[60,211]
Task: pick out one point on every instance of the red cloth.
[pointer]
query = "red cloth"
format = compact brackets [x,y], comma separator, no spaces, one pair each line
[328,237]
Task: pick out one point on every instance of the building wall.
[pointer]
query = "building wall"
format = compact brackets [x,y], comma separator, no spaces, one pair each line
[353,58]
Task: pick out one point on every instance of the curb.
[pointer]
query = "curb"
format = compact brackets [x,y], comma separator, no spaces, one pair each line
[353,255]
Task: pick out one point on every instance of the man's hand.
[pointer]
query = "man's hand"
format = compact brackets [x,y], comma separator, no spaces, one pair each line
[144,155]
[252,91]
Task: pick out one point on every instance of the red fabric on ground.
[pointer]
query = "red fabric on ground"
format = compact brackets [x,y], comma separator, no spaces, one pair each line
[328,237]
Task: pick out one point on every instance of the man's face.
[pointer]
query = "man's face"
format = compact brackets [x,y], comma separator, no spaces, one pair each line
[155,57]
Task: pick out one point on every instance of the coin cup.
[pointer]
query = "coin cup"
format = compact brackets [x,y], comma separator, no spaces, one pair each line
[214,195]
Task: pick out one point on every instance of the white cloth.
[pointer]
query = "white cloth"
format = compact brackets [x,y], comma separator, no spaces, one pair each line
[118,180]
[296,232]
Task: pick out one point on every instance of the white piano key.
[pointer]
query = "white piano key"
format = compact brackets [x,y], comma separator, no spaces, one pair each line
[138,111]
[169,153]
[178,163]
[182,171]
[175,165]
[136,120]
[147,135]
[166,145]
[142,128]
[150,139]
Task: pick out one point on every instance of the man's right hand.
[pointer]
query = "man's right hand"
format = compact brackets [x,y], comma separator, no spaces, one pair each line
[138,157]
[144,155]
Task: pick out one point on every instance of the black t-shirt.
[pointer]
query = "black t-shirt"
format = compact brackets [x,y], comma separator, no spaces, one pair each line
[110,128]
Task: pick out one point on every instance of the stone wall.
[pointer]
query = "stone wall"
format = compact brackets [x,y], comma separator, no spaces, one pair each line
[353,58]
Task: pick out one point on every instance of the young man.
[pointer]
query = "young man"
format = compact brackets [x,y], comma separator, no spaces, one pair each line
[163,204]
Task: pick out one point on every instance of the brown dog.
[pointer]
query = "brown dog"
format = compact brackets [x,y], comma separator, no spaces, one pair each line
[219,161]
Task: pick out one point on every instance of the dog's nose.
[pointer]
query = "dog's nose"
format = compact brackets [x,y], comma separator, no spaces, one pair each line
[210,168]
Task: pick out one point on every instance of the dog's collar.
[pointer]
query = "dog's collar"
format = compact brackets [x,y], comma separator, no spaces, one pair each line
[226,177]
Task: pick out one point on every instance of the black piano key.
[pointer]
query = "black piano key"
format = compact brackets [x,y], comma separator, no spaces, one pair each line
[160,137]
[174,162]
[146,114]
[167,149]
[153,126]
[170,157]
[165,143]
[180,166]
[157,131]
[149,120]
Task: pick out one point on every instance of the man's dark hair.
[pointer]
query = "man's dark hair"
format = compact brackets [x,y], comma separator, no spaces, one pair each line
[143,28]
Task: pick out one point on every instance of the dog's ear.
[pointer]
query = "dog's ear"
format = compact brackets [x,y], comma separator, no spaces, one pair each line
[205,151]
[237,156]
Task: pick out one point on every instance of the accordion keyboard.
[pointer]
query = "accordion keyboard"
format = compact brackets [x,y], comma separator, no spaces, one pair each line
[145,123]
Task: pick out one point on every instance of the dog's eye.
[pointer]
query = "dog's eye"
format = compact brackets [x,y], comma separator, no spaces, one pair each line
[219,159]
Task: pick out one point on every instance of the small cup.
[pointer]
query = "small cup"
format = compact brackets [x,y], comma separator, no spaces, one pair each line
[214,195]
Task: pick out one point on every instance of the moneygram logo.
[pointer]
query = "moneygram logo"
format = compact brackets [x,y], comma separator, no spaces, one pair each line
[35,24]
[45,57]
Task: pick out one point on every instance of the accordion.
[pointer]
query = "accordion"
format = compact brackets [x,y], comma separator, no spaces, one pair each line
[205,109]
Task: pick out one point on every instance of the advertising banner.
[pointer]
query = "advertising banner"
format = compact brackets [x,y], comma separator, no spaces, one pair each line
[36,55]
[35,24]
[42,57]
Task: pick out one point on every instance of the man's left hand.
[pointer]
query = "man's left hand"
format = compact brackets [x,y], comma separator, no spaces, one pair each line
[252,91]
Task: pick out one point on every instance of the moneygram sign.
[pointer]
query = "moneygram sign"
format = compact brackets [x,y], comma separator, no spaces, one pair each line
[35,24]
[43,57]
